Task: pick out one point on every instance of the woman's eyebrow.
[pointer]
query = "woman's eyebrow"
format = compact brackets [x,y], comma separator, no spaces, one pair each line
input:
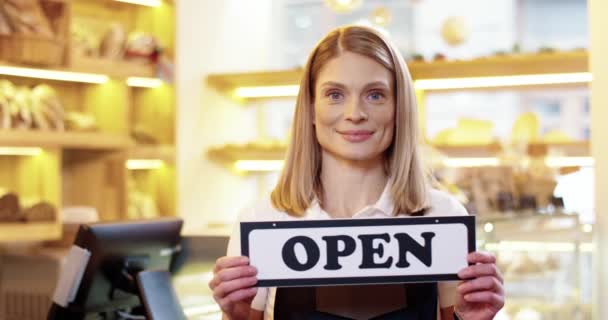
[333,84]
[381,84]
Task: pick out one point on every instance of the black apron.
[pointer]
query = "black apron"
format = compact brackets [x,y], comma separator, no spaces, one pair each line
[300,304]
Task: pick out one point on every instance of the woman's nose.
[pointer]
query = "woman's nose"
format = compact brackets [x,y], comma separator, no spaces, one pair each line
[355,111]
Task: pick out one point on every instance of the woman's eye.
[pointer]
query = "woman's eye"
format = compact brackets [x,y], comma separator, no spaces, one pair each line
[334,95]
[376,96]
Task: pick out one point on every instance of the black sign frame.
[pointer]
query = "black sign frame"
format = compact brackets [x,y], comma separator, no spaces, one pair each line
[247,227]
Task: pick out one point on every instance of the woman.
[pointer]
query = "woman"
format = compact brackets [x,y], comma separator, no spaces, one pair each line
[354,154]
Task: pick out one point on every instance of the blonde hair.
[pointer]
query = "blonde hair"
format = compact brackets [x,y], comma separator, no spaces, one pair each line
[300,182]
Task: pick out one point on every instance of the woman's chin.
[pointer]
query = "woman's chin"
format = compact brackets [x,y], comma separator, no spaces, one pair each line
[358,156]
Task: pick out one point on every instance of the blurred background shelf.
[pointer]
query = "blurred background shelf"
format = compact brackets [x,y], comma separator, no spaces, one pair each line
[38,231]
[165,153]
[507,65]
[67,140]
[114,68]
[250,151]
[493,66]
[261,151]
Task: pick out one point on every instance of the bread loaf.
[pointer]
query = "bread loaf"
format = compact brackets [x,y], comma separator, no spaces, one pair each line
[27,17]
[41,212]
[10,208]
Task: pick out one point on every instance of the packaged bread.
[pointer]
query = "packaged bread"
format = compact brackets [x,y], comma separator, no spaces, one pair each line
[113,43]
[27,17]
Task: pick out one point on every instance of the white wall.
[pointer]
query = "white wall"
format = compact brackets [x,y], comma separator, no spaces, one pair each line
[212,37]
[599,148]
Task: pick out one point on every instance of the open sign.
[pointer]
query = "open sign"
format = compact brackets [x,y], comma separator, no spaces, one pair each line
[358,251]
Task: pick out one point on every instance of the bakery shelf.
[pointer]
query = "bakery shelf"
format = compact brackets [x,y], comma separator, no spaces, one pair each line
[82,69]
[165,153]
[572,62]
[119,69]
[469,150]
[231,81]
[68,140]
[250,151]
[572,149]
[37,231]
[507,65]
[276,151]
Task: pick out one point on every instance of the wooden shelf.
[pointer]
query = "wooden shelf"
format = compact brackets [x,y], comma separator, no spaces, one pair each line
[508,65]
[478,150]
[251,151]
[260,151]
[68,140]
[570,149]
[118,69]
[162,152]
[231,81]
[11,232]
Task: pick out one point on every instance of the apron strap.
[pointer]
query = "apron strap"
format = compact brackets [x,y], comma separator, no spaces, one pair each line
[300,304]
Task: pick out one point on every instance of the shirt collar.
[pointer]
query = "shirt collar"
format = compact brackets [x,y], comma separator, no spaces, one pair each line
[383,207]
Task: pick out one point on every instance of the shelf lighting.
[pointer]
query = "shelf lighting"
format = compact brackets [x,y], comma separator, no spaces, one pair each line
[258,165]
[20,151]
[556,162]
[144,82]
[53,75]
[144,164]
[267,91]
[147,3]
[587,228]
[503,81]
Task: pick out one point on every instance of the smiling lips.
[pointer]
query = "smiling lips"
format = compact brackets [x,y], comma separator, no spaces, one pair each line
[356,135]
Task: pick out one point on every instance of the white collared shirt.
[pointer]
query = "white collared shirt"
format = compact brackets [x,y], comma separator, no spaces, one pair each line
[441,204]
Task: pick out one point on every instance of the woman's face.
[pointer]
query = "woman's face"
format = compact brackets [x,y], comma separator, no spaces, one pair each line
[354,108]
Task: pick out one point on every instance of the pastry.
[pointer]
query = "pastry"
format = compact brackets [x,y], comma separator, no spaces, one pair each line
[41,212]
[9,208]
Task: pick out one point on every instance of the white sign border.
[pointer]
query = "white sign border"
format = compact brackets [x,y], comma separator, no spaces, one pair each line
[248,227]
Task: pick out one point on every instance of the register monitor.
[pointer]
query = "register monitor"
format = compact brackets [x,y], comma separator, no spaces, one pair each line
[128,272]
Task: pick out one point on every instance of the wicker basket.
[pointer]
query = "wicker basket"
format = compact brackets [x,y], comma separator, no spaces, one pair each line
[32,50]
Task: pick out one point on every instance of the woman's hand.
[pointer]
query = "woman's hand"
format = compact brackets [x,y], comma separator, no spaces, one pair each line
[481,294]
[233,286]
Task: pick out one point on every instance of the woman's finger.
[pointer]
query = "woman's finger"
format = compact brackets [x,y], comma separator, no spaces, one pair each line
[489,297]
[481,257]
[481,284]
[227,302]
[226,288]
[229,262]
[231,274]
[480,270]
